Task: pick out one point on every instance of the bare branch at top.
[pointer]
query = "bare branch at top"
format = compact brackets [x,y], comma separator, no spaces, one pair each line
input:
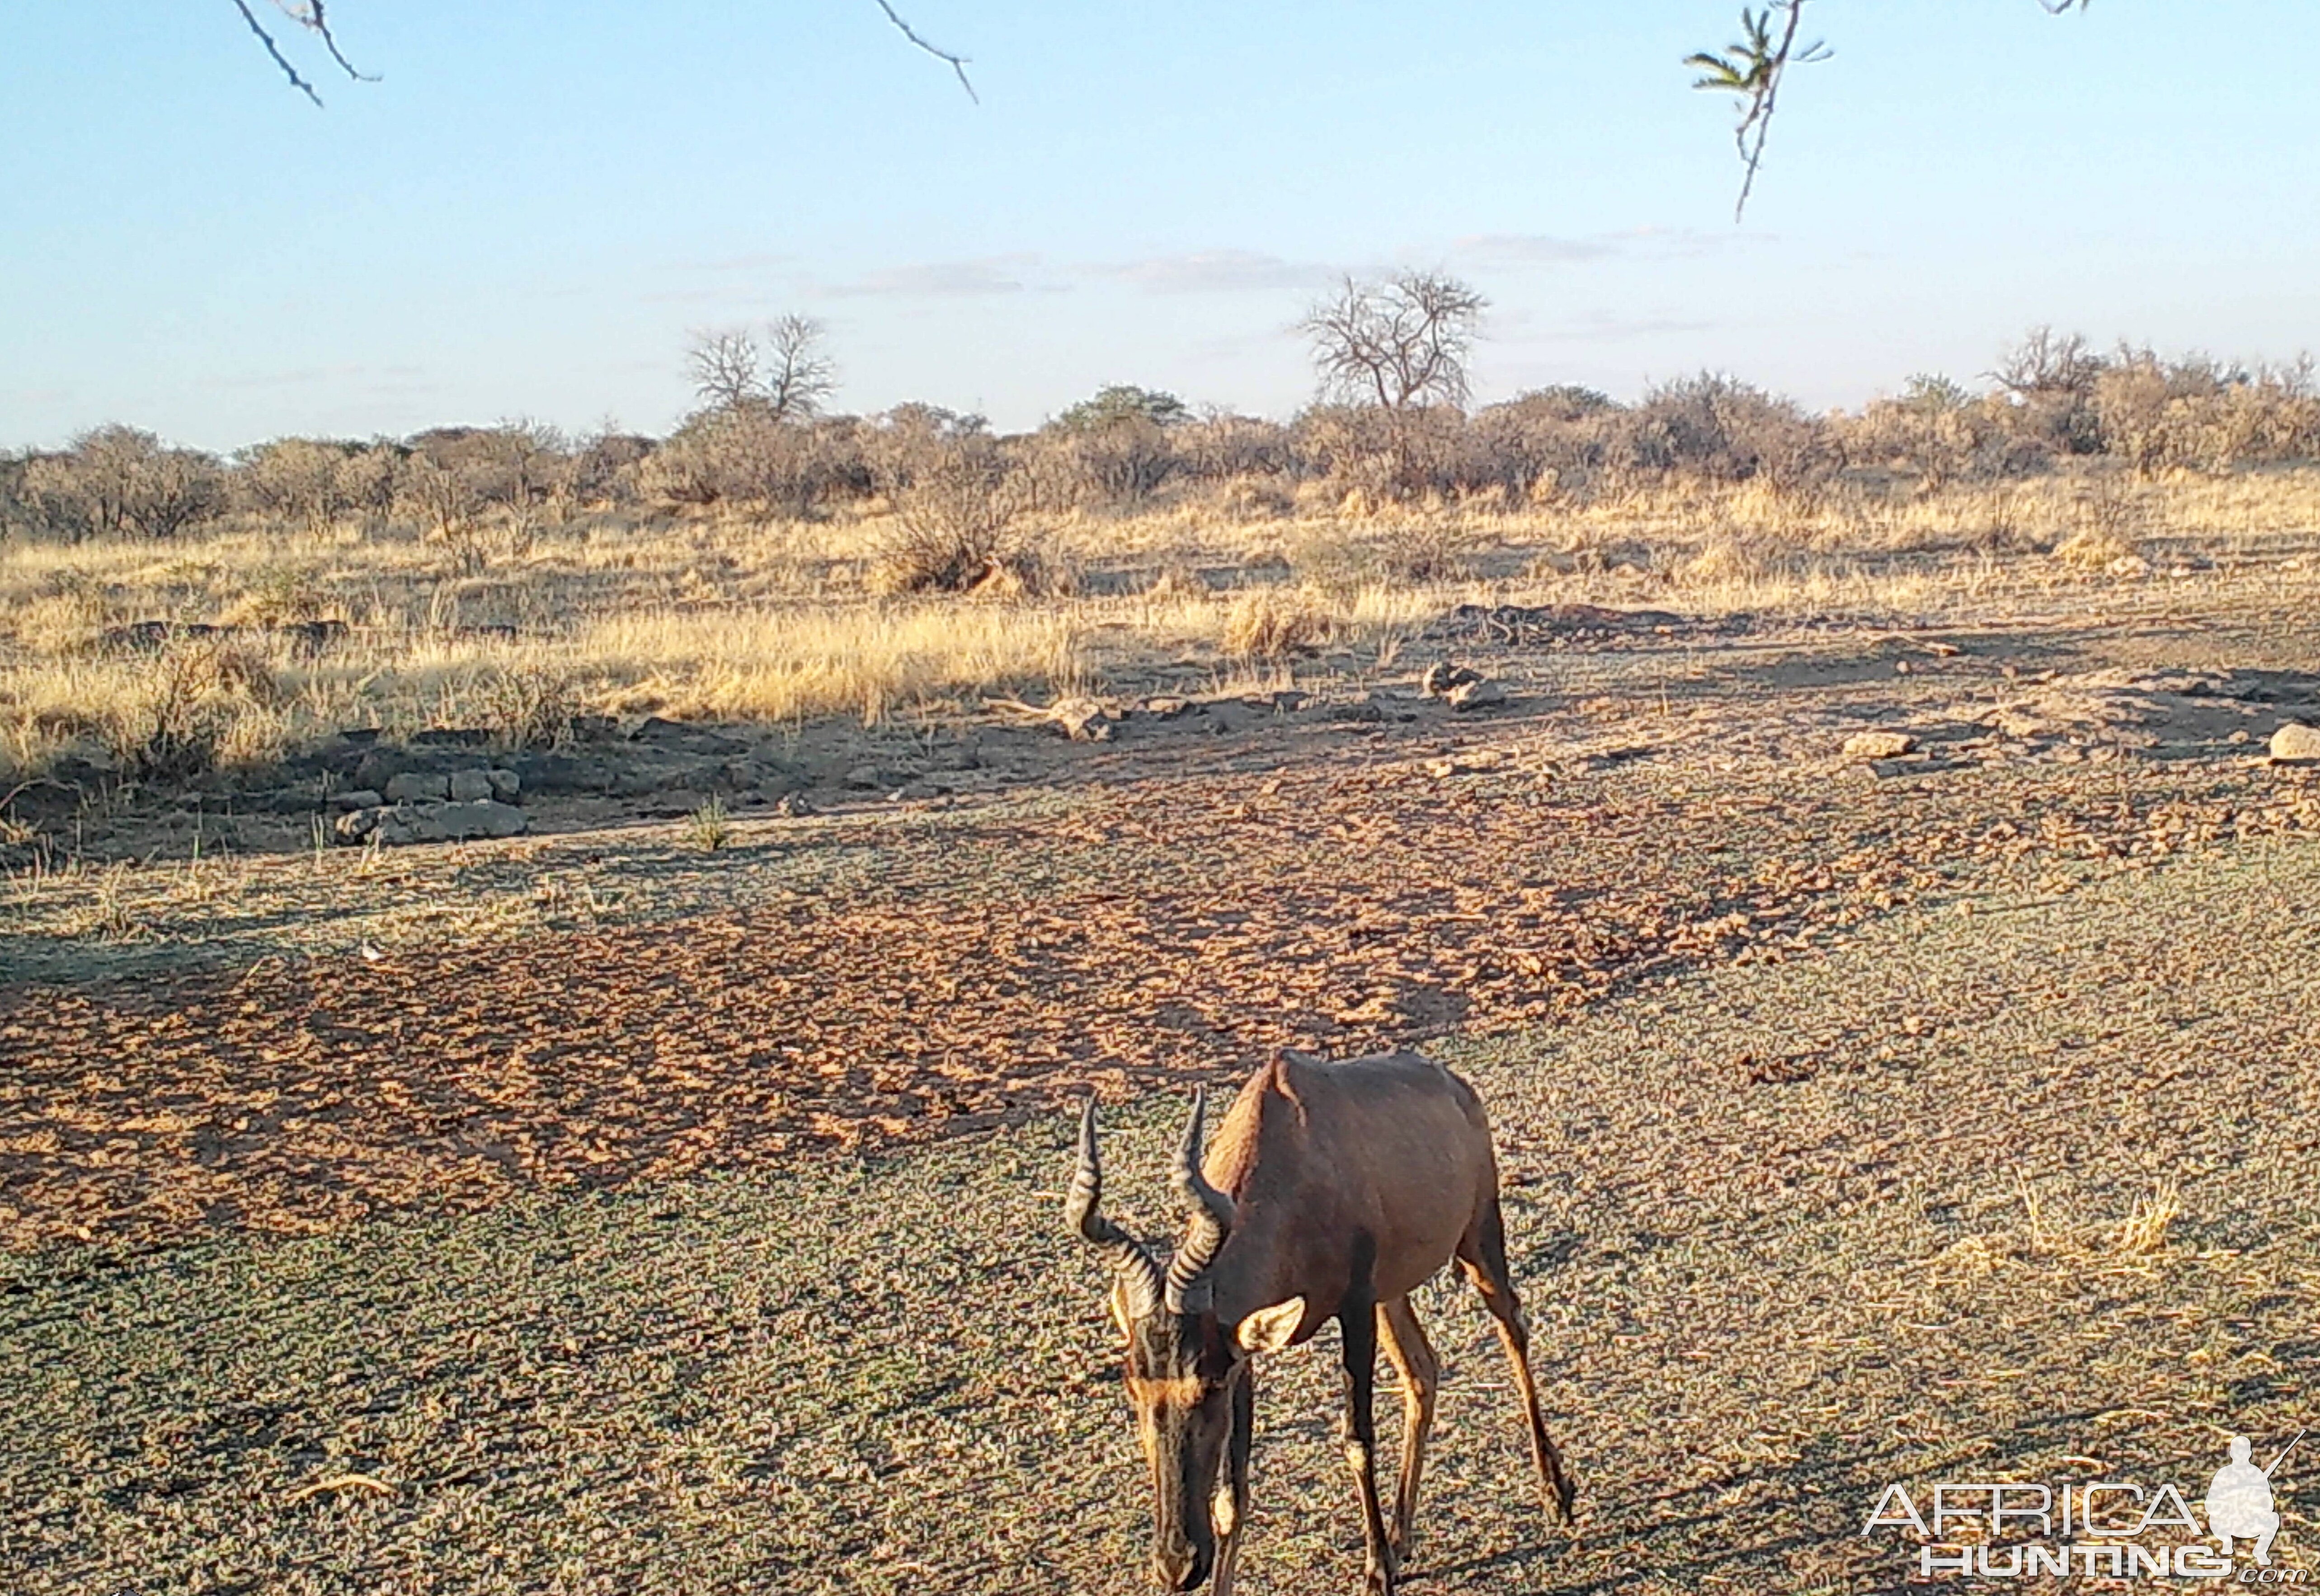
[1754,67]
[958,62]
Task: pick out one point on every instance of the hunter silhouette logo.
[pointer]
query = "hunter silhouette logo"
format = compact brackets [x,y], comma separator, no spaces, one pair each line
[2239,1501]
[2117,1528]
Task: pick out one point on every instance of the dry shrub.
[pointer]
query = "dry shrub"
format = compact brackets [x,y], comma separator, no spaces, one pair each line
[2147,1223]
[2108,518]
[956,519]
[525,706]
[2095,548]
[1178,579]
[1025,572]
[1433,549]
[277,597]
[1255,498]
[185,716]
[1725,559]
[788,664]
[1268,623]
[66,613]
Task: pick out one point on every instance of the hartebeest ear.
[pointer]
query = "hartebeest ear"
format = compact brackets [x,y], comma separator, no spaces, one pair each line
[1269,1330]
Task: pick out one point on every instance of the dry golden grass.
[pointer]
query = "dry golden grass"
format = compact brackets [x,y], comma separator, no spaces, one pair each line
[742,617]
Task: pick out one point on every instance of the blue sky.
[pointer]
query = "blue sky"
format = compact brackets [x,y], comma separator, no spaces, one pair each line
[539,201]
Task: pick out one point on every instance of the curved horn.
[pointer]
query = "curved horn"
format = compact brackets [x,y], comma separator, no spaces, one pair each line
[1139,1276]
[1213,1214]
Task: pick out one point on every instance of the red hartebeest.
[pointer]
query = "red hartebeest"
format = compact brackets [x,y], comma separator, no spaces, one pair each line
[1332,1191]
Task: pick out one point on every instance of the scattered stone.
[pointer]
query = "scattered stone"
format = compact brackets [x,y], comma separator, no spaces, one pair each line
[865,778]
[1878,745]
[41,802]
[2295,743]
[2130,565]
[1082,720]
[304,639]
[1166,709]
[1442,677]
[417,786]
[660,732]
[1079,717]
[556,774]
[401,824]
[1286,701]
[794,806]
[310,638]
[505,784]
[1520,625]
[1479,694]
[469,786]
[1914,764]
[1474,762]
[360,798]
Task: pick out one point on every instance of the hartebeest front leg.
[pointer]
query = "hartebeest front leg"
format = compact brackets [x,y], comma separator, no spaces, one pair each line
[1421,1373]
[1357,1331]
[1232,1515]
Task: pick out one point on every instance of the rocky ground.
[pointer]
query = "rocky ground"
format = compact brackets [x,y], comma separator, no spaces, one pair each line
[619,1213]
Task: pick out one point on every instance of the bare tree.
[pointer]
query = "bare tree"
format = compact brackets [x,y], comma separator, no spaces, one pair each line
[1395,344]
[724,368]
[799,372]
[786,373]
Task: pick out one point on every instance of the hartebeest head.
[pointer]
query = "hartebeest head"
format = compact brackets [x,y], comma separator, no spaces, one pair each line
[1184,1369]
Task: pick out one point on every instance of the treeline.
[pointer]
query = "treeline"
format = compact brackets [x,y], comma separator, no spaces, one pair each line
[2053,397]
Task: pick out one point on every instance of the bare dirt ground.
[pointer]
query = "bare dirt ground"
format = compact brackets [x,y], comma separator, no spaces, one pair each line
[588,1212]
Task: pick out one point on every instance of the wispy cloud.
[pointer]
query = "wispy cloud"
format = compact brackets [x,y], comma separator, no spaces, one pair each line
[949,279]
[1608,327]
[1531,249]
[760,260]
[1214,271]
[304,377]
[1514,249]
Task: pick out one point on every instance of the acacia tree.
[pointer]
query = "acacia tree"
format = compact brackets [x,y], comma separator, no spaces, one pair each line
[1394,354]
[1395,344]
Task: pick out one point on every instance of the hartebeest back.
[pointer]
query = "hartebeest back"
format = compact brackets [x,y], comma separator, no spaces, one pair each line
[1331,1192]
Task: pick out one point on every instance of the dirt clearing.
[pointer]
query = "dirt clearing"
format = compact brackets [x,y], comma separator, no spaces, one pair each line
[1907,1252]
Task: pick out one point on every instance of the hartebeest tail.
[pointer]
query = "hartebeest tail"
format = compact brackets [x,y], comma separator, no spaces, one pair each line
[1331,1192]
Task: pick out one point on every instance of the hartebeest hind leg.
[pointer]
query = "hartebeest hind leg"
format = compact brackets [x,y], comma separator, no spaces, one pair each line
[1421,1375]
[1482,1252]
[1357,1334]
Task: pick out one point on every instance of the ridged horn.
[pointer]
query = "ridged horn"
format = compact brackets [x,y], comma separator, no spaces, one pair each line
[1213,1214]
[1139,1276]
